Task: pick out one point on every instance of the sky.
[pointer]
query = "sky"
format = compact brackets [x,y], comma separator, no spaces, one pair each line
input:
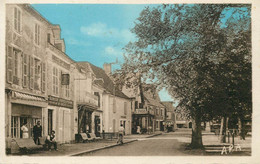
[95,33]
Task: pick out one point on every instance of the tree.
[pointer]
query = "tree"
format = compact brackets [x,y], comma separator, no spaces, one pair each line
[182,46]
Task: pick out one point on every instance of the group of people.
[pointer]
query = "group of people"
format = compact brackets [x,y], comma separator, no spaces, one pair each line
[51,139]
[37,133]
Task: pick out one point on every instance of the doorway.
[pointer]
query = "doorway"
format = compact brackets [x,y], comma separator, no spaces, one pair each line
[50,121]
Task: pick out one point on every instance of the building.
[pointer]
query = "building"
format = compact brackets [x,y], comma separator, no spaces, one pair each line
[88,99]
[60,113]
[35,52]
[182,120]
[116,106]
[170,116]
[148,113]
[26,67]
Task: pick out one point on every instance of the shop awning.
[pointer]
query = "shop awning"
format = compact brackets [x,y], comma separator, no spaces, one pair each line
[28,97]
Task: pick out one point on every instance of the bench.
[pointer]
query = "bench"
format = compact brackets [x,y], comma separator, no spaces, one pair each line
[84,137]
[26,145]
[90,138]
[94,136]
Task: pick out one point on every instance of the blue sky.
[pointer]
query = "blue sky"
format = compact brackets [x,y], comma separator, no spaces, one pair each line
[95,32]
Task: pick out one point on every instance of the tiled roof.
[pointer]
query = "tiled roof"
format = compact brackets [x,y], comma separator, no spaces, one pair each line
[107,84]
[153,101]
[169,105]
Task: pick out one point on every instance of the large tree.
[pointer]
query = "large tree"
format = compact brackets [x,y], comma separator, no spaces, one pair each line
[182,48]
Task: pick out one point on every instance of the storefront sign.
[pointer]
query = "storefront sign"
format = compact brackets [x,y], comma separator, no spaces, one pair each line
[60,102]
[141,111]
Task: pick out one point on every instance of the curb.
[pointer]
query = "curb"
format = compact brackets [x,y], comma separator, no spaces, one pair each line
[109,146]
[100,148]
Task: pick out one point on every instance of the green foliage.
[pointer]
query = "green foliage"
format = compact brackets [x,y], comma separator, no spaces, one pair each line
[201,53]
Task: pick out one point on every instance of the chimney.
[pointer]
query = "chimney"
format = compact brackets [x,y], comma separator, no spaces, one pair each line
[107,68]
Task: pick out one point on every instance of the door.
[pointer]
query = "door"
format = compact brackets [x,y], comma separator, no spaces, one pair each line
[50,121]
[97,126]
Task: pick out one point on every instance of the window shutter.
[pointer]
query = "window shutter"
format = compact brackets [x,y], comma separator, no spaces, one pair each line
[31,72]
[15,18]
[35,34]
[39,34]
[9,64]
[19,21]
[43,77]
[25,70]
[114,105]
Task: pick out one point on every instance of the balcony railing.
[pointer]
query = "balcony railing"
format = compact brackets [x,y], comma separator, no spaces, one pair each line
[87,98]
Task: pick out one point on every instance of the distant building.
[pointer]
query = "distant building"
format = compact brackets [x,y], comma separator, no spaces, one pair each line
[148,112]
[88,99]
[170,116]
[116,106]
[181,119]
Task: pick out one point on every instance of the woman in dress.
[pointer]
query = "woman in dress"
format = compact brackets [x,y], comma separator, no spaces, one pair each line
[25,131]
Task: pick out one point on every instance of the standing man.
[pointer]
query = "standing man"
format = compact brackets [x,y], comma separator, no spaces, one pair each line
[121,131]
[37,132]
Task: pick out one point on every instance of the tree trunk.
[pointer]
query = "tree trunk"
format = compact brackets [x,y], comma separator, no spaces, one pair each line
[242,130]
[196,141]
[223,128]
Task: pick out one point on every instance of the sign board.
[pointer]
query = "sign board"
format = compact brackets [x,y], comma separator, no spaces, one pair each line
[65,79]
[55,101]
[141,111]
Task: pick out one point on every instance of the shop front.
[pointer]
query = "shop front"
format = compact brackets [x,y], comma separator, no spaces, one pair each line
[85,118]
[144,120]
[60,118]
[23,109]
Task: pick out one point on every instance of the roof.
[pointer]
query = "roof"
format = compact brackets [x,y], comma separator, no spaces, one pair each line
[155,101]
[168,105]
[107,84]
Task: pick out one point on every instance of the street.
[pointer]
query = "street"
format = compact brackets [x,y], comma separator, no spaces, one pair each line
[167,144]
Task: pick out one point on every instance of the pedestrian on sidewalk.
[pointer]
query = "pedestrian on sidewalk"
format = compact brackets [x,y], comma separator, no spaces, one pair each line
[121,132]
[37,133]
[25,130]
[51,140]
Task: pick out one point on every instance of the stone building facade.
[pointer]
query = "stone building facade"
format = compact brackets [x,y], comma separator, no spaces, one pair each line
[33,89]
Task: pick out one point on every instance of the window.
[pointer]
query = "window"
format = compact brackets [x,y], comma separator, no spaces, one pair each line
[15,127]
[17,20]
[125,108]
[55,81]
[37,34]
[37,74]
[43,76]
[25,70]
[31,69]
[67,91]
[97,94]
[49,38]
[114,105]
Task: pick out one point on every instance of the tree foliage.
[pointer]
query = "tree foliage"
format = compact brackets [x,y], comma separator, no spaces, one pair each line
[201,53]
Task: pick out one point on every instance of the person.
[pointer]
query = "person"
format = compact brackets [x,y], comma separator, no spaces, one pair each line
[121,132]
[138,130]
[51,140]
[24,130]
[37,132]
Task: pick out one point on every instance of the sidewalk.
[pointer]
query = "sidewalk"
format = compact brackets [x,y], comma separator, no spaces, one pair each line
[80,148]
